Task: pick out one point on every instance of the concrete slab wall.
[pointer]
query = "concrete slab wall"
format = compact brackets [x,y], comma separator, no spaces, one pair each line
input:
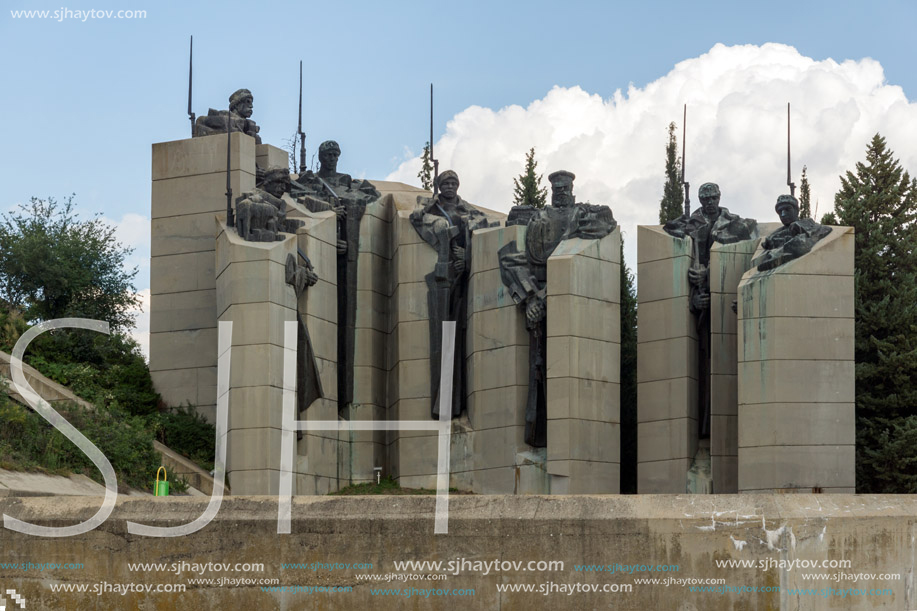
[189,186]
[873,533]
[727,264]
[796,426]
[666,363]
[584,366]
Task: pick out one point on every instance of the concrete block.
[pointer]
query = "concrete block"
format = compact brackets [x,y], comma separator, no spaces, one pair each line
[205,155]
[581,477]
[497,368]
[666,319]
[409,302]
[174,235]
[254,282]
[797,424]
[256,407]
[583,440]
[369,385]
[796,381]
[410,379]
[667,399]
[202,193]
[667,359]
[724,395]
[654,244]
[584,399]
[583,276]
[498,328]
[251,449]
[413,261]
[411,340]
[796,467]
[724,435]
[183,349]
[180,273]
[725,471]
[802,338]
[370,347]
[230,248]
[418,456]
[574,315]
[371,275]
[497,447]
[320,301]
[583,358]
[268,156]
[259,481]
[663,279]
[663,477]
[373,311]
[183,311]
[499,407]
[258,323]
[257,365]
[797,295]
[487,291]
[495,481]
[666,440]
[411,409]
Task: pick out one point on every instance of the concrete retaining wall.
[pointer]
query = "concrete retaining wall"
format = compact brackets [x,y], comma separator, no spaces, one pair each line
[875,534]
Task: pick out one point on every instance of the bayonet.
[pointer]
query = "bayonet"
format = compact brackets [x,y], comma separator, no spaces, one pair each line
[230,220]
[789,180]
[433,160]
[328,187]
[302,136]
[687,186]
[190,67]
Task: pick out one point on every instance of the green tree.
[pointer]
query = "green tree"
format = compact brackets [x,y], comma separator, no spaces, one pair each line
[54,265]
[672,204]
[527,190]
[879,200]
[426,168]
[805,196]
[628,379]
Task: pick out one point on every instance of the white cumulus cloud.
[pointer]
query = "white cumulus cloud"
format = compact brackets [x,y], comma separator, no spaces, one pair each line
[736,134]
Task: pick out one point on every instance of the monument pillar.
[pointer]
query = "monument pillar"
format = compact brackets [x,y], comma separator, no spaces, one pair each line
[189,188]
[796,418]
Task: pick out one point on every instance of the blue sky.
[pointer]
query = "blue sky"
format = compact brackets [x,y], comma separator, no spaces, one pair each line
[86,99]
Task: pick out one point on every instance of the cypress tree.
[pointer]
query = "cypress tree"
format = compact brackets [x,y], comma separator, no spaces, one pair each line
[879,199]
[628,379]
[672,204]
[805,196]
[527,190]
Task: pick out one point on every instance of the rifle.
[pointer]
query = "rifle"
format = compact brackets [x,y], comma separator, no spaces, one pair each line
[190,67]
[432,159]
[302,136]
[789,181]
[684,130]
[230,219]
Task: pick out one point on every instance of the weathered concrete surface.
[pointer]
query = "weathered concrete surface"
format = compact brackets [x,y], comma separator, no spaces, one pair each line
[875,533]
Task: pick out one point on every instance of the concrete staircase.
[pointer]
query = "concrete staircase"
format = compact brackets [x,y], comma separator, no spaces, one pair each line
[20,484]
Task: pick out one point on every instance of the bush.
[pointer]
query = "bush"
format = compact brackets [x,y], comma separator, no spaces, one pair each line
[189,434]
[28,442]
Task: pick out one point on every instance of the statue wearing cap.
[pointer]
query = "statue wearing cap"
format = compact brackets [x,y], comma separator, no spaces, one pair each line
[330,190]
[240,112]
[446,222]
[794,239]
[526,276]
[709,224]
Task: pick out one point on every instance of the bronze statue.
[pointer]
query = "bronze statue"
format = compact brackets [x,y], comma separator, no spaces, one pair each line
[446,222]
[708,224]
[261,215]
[794,239]
[301,275]
[525,273]
[325,190]
[240,112]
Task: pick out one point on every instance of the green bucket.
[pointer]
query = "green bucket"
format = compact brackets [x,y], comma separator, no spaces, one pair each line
[162,487]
